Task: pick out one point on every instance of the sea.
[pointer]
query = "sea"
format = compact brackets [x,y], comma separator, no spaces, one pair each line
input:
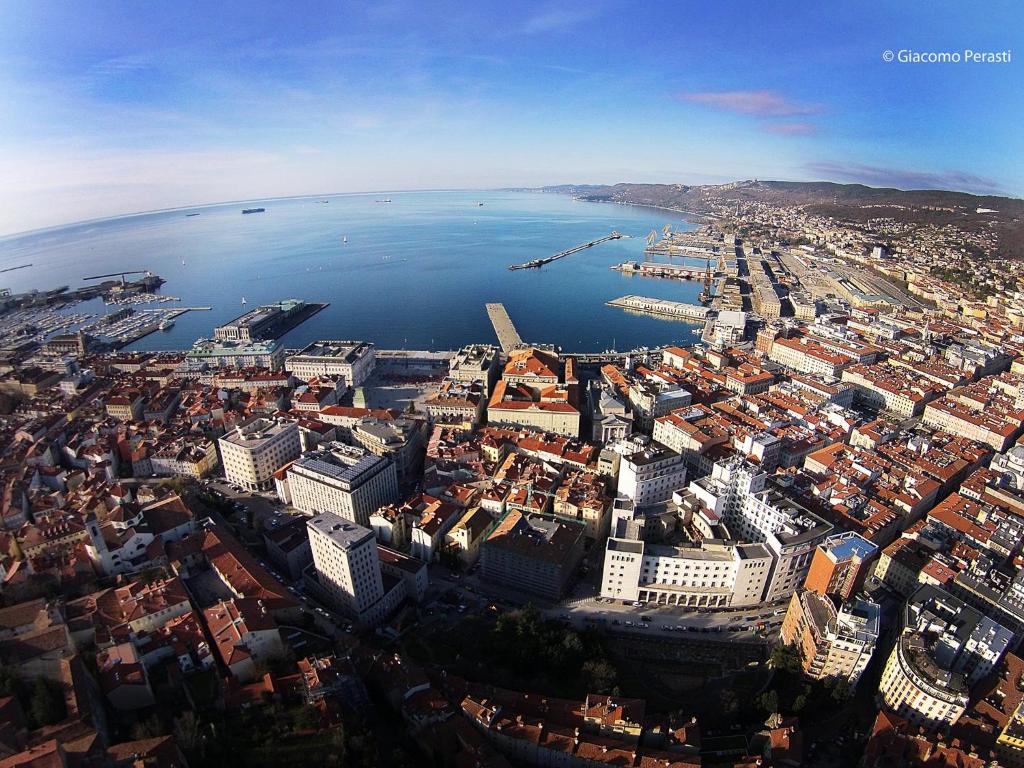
[412,273]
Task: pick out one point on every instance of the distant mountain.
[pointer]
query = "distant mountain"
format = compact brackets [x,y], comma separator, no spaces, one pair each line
[854,203]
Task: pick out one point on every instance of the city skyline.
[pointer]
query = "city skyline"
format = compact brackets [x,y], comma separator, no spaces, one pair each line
[126,110]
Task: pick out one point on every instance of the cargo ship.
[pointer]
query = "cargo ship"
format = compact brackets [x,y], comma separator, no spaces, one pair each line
[253,210]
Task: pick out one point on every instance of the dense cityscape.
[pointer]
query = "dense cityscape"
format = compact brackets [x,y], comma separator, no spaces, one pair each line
[797,542]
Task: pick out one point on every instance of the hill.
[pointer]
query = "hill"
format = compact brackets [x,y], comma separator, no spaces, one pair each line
[853,203]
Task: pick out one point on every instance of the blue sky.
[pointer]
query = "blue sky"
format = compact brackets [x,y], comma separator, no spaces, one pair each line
[109,108]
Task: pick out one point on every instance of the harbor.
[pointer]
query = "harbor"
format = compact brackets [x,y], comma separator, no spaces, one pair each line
[538,263]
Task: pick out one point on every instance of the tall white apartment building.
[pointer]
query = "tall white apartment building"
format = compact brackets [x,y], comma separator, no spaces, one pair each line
[736,492]
[344,479]
[650,476]
[348,566]
[253,451]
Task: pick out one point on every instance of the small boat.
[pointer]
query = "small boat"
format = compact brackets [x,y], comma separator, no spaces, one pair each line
[344,239]
[253,210]
[480,205]
[385,200]
[190,215]
[243,300]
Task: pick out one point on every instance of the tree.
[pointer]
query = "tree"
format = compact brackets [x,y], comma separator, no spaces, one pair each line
[841,690]
[186,731]
[785,658]
[47,706]
[307,718]
[10,683]
[148,728]
[598,675]
[769,702]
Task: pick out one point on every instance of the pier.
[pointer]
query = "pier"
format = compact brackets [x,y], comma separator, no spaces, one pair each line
[508,336]
[677,310]
[538,263]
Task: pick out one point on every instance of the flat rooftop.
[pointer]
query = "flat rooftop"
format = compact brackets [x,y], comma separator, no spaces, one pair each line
[345,350]
[343,533]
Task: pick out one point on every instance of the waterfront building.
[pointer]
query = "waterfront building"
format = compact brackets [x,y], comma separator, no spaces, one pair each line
[353,360]
[536,391]
[208,354]
[476,362]
[265,322]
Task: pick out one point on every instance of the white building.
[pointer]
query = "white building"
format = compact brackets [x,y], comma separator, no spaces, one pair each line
[736,492]
[945,648]
[712,574]
[252,452]
[348,566]
[344,479]
[353,360]
[651,475]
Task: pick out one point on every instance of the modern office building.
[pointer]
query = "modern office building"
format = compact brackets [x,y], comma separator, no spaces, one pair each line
[348,567]
[344,479]
[737,493]
[253,451]
[832,642]
[840,564]
[651,475]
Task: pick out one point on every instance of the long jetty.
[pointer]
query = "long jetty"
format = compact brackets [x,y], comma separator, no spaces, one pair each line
[538,263]
[508,336]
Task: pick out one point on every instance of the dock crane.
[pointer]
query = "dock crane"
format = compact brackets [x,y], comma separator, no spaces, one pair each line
[705,295]
[666,230]
[121,275]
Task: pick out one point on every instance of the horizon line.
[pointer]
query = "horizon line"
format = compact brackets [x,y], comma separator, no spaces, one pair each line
[171,209]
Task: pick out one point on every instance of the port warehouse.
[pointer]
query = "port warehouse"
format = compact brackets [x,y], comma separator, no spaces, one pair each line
[676,309]
[267,321]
